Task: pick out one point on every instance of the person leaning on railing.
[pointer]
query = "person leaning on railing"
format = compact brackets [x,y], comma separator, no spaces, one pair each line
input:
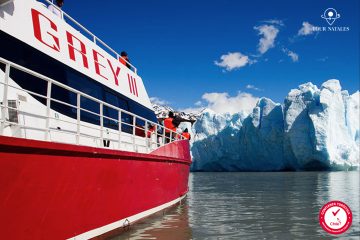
[186,134]
[178,119]
[172,122]
[124,59]
[160,131]
[151,130]
[169,126]
[55,10]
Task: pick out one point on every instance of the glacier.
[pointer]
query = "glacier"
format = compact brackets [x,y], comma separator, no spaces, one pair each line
[314,129]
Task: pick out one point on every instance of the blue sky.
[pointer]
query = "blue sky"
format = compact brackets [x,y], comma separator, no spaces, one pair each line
[176,44]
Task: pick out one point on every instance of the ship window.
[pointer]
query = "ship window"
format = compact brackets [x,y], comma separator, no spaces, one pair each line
[84,85]
[30,83]
[142,111]
[140,127]
[2,67]
[127,122]
[111,112]
[126,119]
[123,104]
[89,87]
[90,111]
[65,96]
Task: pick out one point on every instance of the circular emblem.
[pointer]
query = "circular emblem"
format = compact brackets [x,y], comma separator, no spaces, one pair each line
[330,15]
[335,217]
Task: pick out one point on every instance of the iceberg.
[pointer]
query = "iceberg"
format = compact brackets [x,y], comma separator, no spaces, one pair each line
[314,129]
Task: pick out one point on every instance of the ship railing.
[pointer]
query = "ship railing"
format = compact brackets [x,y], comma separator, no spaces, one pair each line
[89,34]
[136,129]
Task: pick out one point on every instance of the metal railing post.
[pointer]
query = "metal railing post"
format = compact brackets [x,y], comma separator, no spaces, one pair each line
[101,125]
[48,102]
[156,136]
[78,116]
[134,131]
[5,100]
[148,139]
[163,140]
[120,123]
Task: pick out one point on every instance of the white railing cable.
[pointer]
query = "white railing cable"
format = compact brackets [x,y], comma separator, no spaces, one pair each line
[78,133]
[93,38]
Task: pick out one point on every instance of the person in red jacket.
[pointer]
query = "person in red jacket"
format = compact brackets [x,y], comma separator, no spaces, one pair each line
[151,130]
[124,59]
[186,134]
[169,126]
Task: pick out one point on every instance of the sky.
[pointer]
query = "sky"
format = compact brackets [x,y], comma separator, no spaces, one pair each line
[224,54]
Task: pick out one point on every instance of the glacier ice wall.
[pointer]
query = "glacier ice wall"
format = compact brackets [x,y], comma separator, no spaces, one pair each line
[315,129]
[261,137]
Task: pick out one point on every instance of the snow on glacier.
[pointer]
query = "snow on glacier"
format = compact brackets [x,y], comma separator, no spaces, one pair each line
[314,129]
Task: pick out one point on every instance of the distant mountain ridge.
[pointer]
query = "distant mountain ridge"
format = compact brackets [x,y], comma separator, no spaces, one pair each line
[163,111]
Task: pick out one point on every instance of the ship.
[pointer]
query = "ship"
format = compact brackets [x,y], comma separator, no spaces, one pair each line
[82,154]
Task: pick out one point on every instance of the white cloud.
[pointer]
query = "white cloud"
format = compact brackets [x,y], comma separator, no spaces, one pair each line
[324,59]
[232,61]
[274,21]
[193,110]
[294,56]
[223,102]
[198,103]
[158,101]
[249,86]
[268,33]
[307,29]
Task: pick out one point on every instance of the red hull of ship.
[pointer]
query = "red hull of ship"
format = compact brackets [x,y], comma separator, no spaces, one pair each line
[59,191]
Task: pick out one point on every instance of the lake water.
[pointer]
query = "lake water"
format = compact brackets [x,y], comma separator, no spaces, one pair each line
[280,205]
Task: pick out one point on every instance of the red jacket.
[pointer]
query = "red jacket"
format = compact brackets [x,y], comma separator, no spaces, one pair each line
[186,135]
[168,124]
[150,131]
[125,62]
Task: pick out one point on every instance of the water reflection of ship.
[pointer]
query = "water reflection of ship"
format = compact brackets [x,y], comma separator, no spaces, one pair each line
[172,223]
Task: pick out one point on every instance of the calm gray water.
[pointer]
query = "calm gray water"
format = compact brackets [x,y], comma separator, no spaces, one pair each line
[281,205]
